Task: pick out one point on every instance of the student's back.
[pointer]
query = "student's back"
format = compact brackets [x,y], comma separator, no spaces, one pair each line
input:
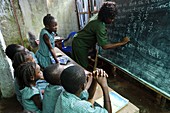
[73,80]
[69,103]
[53,90]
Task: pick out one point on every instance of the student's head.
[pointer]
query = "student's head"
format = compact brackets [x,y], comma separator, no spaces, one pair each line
[27,74]
[12,49]
[73,79]
[21,57]
[107,12]
[52,73]
[50,23]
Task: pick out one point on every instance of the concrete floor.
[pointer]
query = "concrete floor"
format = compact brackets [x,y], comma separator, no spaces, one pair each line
[139,95]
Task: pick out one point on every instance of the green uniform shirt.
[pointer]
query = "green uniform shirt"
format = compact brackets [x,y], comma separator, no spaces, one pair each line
[28,104]
[94,32]
[51,94]
[70,103]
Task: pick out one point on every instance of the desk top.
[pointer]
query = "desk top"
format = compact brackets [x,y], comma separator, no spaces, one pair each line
[130,108]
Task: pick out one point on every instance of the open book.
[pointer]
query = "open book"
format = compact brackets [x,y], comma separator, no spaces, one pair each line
[117,101]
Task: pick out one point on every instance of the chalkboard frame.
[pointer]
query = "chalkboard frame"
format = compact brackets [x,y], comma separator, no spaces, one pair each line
[152,87]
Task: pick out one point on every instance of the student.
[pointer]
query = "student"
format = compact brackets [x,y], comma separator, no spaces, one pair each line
[12,49]
[73,79]
[53,90]
[95,32]
[27,75]
[45,53]
[19,58]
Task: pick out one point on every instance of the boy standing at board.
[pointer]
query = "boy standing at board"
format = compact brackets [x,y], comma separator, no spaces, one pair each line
[95,32]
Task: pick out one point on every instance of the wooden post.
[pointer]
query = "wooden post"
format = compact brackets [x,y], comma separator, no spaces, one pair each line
[78,21]
[158,99]
[163,102]
[89,11]
[17,22]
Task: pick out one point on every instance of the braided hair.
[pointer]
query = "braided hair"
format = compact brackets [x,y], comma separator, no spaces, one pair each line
[48,19]
[25,72]
[20,57]
[108,10]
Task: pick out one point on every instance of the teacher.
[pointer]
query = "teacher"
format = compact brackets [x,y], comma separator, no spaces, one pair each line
[95,33]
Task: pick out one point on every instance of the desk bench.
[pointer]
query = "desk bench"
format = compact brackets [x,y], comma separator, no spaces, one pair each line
[130,108]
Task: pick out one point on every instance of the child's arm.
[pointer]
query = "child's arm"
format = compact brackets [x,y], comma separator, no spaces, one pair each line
[114,45]
[95,74]
[37,101]
[103,83]
[89,81]
[91,85]
[92,90]
[47,41]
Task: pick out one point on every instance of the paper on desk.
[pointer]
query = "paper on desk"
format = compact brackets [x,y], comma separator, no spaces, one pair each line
[63,59]
[117,101]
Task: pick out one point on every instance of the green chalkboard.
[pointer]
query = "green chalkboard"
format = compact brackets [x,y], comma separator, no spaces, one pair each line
[147,56]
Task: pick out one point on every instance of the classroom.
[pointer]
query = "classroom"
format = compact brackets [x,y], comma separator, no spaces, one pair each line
[129,43]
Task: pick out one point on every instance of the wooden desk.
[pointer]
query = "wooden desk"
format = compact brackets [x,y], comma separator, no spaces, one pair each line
[130,108]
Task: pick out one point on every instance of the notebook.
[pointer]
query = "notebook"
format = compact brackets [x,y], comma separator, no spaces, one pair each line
[117,101]
[63,59]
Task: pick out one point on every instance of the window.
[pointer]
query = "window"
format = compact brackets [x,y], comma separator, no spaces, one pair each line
[86,9]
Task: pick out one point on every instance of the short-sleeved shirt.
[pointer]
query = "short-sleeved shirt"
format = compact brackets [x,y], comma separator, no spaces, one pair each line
[28,104]
[33,55]
[43,53]
[94,32]
[41,85]
[70,103]
[51,94]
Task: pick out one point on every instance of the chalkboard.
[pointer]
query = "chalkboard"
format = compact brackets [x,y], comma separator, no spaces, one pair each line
[147,56]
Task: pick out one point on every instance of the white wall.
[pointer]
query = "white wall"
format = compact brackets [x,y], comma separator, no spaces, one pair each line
[33,12]
[6,78]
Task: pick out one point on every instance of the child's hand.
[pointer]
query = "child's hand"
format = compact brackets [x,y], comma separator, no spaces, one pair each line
[100,76]
[99,73]
[125,39]
[89,81]
[102,81]
[89,78]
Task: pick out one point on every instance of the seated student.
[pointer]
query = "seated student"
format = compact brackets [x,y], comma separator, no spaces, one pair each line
[53,90]
[73,79]
[27,75]
[12,49]
[19,58]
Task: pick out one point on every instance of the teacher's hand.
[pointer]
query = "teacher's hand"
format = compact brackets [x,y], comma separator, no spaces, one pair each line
[126,40]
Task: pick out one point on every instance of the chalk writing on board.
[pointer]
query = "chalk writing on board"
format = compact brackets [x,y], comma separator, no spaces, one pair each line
[146,22]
